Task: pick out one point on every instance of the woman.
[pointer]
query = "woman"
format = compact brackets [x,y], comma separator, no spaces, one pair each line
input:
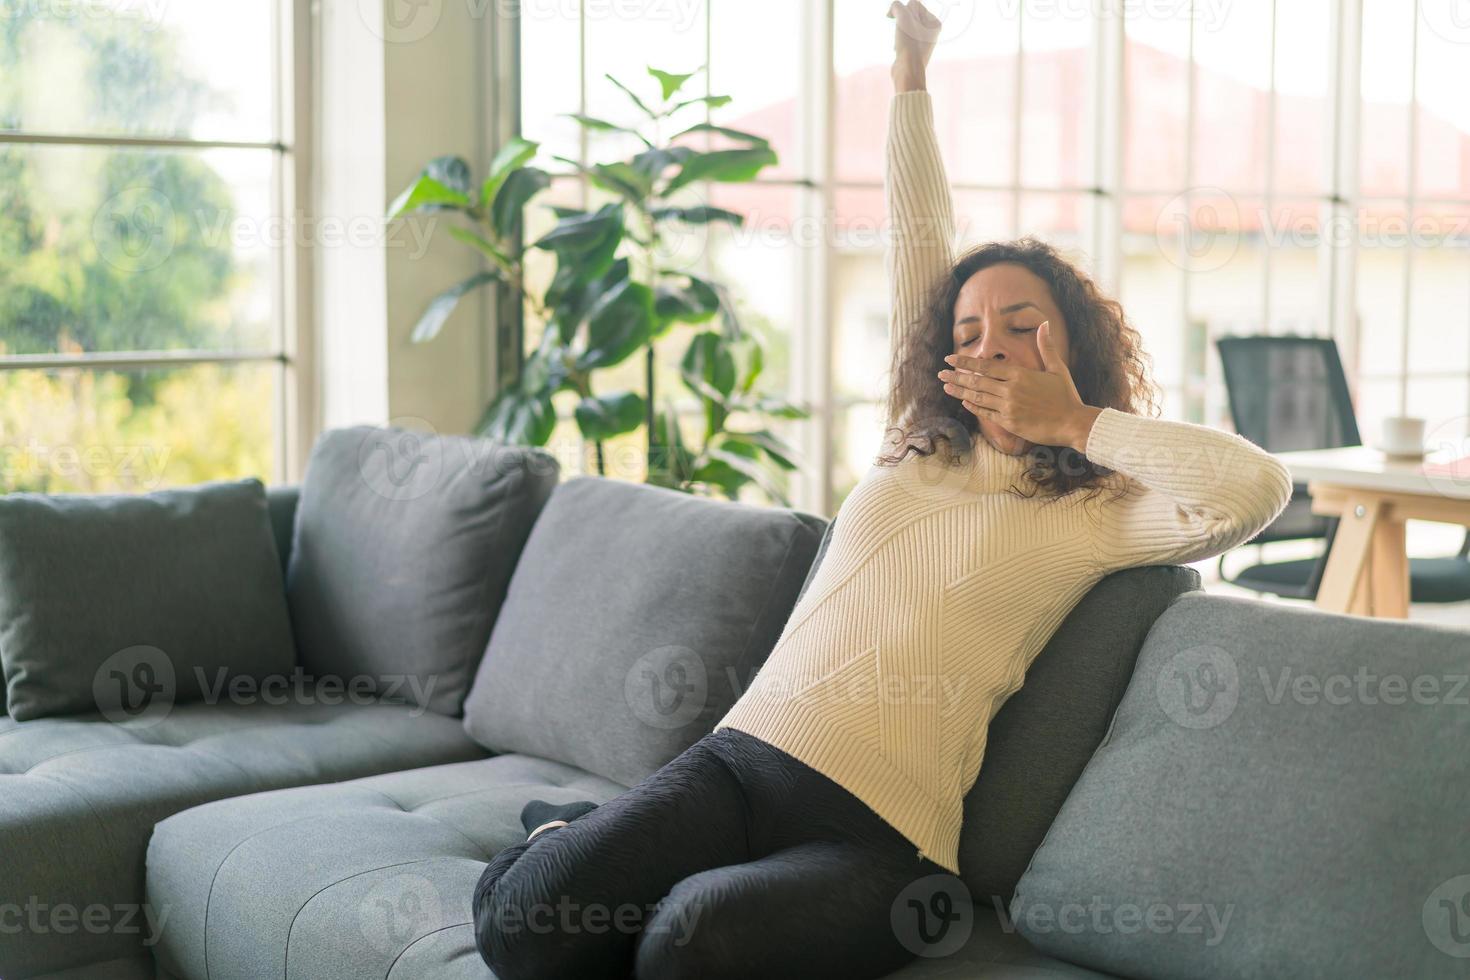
[793,839]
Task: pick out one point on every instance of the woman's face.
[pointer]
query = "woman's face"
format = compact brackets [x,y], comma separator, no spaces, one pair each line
[995,317]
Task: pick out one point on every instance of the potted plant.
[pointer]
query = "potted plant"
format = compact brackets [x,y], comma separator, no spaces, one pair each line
[614,294]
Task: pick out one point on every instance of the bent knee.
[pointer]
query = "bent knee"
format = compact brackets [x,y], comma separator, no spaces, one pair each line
[522,933]
[683,941]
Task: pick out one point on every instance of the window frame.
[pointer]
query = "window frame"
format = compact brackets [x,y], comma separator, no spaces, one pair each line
[1106,191]
[295,423]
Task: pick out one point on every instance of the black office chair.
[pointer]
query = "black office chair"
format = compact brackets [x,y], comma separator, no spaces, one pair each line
[1288,393]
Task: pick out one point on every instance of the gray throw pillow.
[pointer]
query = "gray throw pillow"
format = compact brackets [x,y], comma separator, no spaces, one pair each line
[129,603]
[635,618]
[1283,793]
[403,546]
[1042,737]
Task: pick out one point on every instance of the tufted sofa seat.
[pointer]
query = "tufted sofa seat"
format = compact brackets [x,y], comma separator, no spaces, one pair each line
[370,878]
[79,796]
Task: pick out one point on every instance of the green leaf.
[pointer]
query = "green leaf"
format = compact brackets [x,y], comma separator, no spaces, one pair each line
[618,325]
[766,441]
[451,171]
[603,126]
[780,409]
[632,95]
[587,240]
[652,163]
[510,200]
[715,102]
[516,153]
[672,464]
[604,416]
[708,367]
[749,469]
[671,83]
[470,238]
[573,294]
[427,194]
[734,134]
[616,178]
[519,419]
[726,166]
[694,303]
[699,215]
[753,368]
[442,305]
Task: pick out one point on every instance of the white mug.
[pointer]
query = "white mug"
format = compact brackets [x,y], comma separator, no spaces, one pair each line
[1403,435]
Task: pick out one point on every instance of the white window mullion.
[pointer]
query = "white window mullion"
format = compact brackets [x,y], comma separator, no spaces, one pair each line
[1411,187]
[815,329]
[1109,118]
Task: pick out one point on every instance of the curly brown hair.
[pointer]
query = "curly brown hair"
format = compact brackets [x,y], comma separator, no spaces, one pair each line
[1108,365]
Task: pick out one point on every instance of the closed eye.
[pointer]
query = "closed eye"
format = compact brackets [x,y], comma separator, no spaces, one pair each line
[1013,330]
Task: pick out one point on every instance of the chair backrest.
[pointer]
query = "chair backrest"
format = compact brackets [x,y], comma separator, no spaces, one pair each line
[1288,393]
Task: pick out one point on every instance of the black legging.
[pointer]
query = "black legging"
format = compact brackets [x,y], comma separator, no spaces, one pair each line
[733,860]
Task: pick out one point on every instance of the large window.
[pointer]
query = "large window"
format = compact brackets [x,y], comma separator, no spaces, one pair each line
[147,312]
[1258,166]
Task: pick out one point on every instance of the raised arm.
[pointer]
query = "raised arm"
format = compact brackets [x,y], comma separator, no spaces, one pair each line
[916,191]
[1202,491]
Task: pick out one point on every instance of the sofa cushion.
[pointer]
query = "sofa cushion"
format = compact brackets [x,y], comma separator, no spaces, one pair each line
[1282,793]
[635,617]
[281,502]
[370,878]
[403,546]
[1042,737]
[128,603]
[373,878]
[79,797]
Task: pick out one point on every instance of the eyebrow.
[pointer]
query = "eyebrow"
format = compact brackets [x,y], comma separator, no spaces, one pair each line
[1013,308]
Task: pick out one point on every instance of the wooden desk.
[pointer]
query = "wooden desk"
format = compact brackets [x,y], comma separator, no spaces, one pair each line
[1373,494]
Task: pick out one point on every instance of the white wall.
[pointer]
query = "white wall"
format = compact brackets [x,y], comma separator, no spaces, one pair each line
[398,85]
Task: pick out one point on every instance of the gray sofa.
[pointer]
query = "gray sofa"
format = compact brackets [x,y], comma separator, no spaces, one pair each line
[319,841]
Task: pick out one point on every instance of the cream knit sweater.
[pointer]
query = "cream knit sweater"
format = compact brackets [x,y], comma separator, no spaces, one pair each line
[938,588]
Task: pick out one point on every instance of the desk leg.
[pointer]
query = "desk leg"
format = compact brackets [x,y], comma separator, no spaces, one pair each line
[1348,560]
[1389,570]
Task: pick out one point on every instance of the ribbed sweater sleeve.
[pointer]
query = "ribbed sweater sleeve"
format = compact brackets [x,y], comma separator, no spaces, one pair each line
[1204,490]
[920,213]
